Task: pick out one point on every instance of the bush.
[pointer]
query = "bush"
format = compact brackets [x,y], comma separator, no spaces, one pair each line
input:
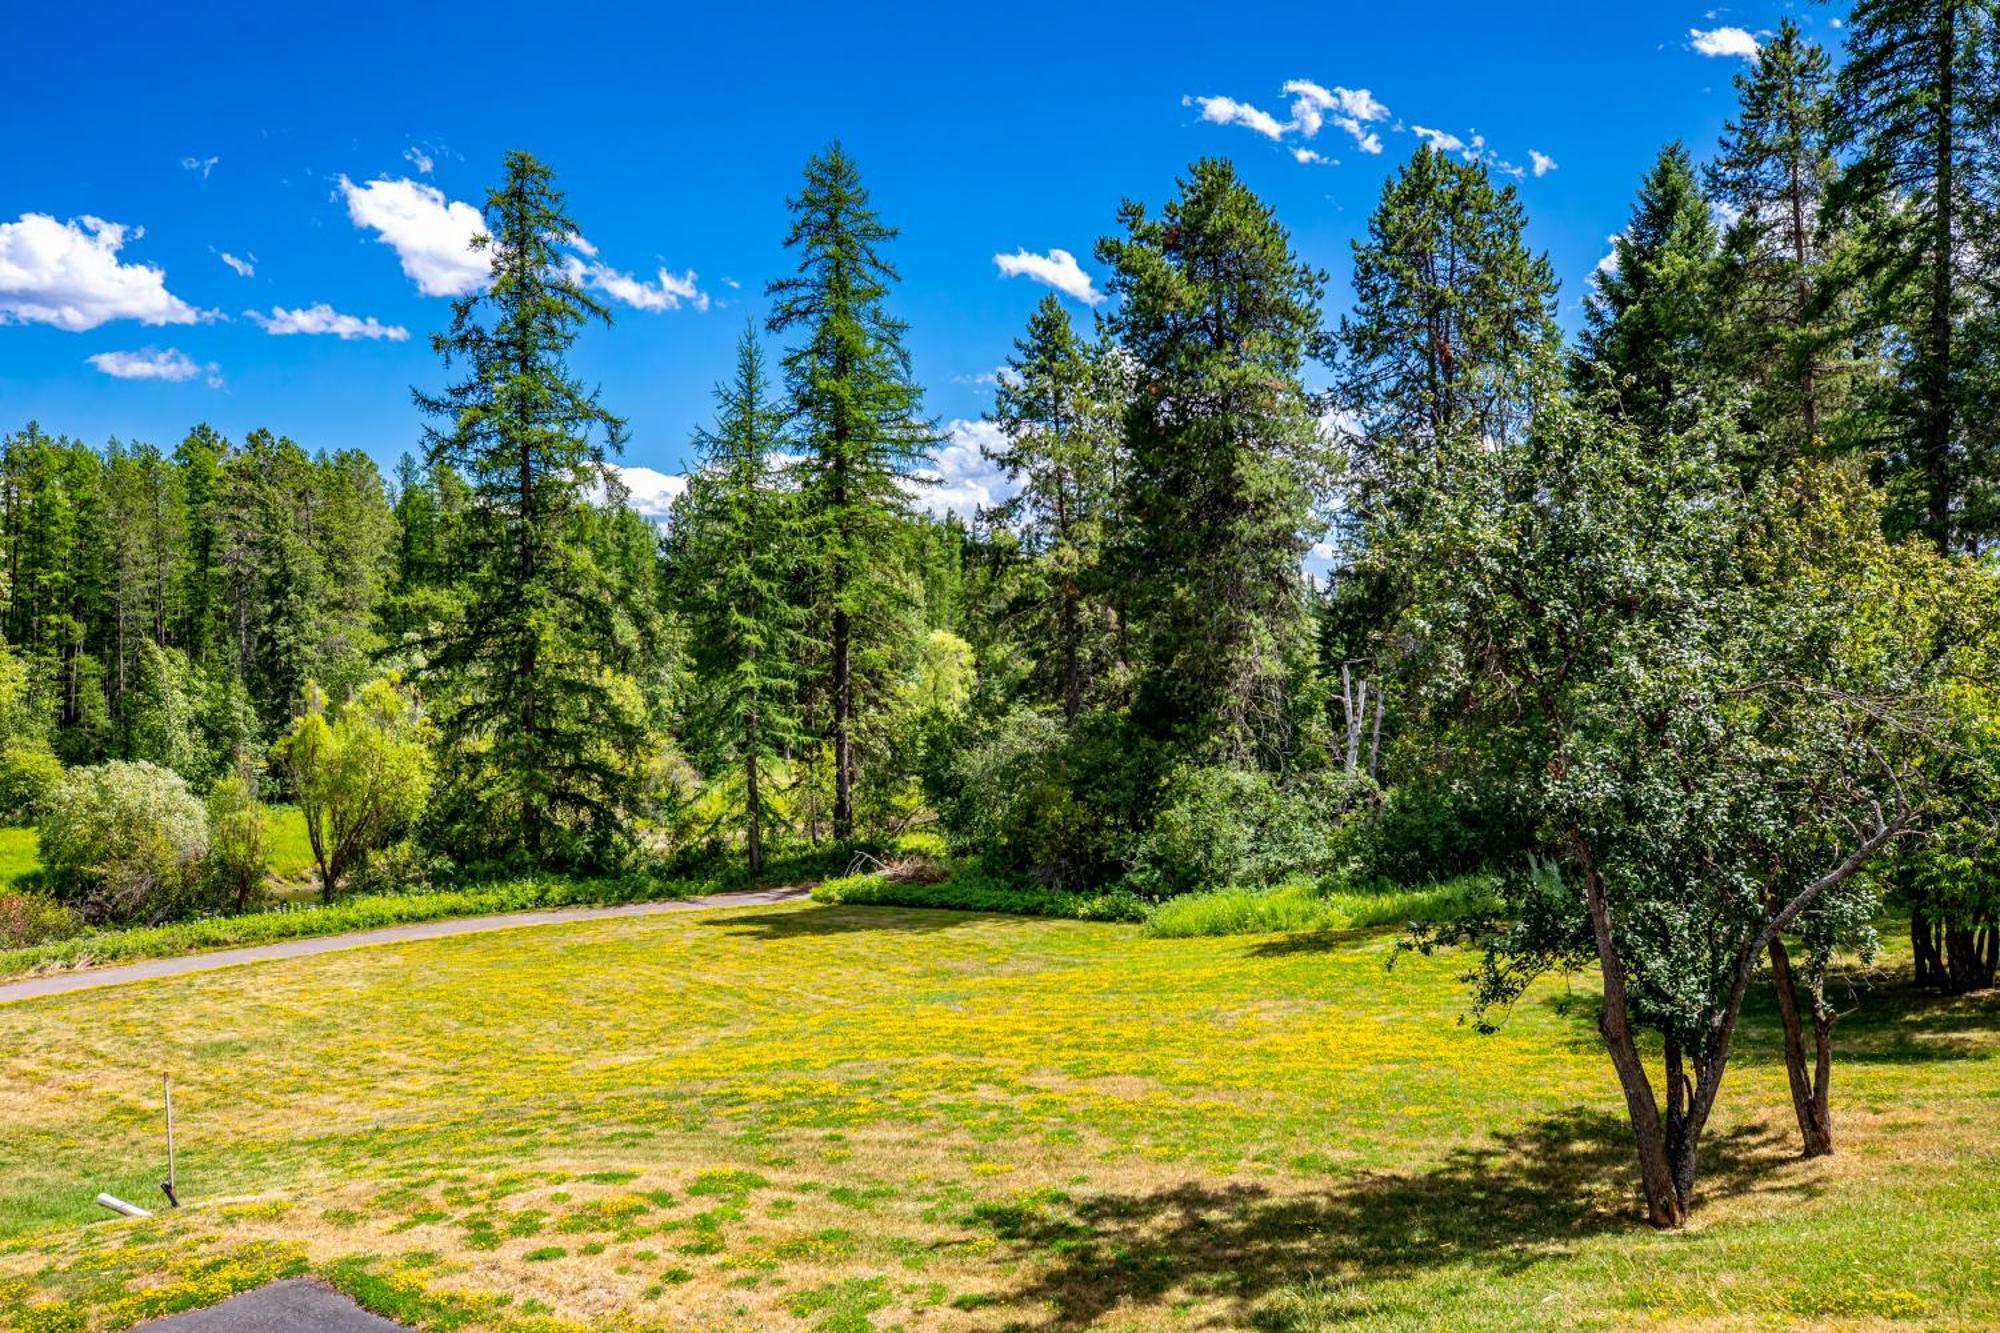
[1055,806]
[29,775]
[1220,827]
[1435,826]
[975,891]
[30,918]
[124,840]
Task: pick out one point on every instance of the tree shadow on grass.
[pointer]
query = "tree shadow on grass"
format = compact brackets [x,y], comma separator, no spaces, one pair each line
[826,919]
[1530,1196]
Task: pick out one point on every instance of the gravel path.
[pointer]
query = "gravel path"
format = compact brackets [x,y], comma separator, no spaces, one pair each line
[294,1305]
[56,983]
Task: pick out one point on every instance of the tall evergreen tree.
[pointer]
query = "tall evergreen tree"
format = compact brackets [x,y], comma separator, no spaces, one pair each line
[1453,314]
[1776,163]
[1218,315]
[858,415]
[1058,408]
[539,723]
[1650,325]
[1918,97]
[730,552]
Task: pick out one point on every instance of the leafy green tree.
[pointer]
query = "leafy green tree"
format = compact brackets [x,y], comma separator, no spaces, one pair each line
[1058,409]
[1650,326]
[540,723]
[1218,316]
[361,780]
[1707,729]
[858,416]
[239,849]
[731,548]
[1788,332]
[161,718]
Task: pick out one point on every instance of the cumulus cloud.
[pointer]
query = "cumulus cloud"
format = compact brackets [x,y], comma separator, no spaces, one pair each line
[202,164]
[68,274]
[962,480]
[1542,162]
[667,291]
[245,268]
[1725,41]
[431,235]
[323,318]
[1349,109]
[649,492]
[171,365]
[419,159]
[1058,269]
[1442,140]
[1229,111]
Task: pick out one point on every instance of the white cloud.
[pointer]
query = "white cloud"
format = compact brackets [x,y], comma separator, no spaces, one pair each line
[1308,157]
[171,365]
[1058,269]
[1542,162]
[68,274]
[962,480]
[1351,109]
[667,292]
[649,493]
[1726,41]
[1609,264]
[419,159]
[1229,111]
[323,318]
[245,268]
[202,164]
[1442,140]
[431,235]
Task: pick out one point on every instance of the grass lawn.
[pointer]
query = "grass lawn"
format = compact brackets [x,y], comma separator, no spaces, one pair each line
[20,854]
[844,1118]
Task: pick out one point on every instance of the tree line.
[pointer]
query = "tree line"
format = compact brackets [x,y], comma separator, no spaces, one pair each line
[1683,632]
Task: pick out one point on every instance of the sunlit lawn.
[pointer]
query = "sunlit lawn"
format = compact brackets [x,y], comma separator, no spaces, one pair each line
[845,1118]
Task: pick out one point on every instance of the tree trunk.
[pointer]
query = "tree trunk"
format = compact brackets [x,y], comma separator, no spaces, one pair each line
[1938,414]
[1809,1088]
[843,753]
[1665,1205]
[753,809]
[1929,968]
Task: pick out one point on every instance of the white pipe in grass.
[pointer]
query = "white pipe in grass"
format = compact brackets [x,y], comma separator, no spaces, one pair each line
[118,1205]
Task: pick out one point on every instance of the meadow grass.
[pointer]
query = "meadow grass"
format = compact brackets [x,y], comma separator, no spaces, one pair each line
[20,855]
[836,1117]
[1303,905]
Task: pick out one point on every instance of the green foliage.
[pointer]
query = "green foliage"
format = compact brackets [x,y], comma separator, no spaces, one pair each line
[28,919]
[239,841]
[361,780]
[30,773]
[1303,905]
[1221,827]
[532,679]
[123,840]
[160,713]
[1217,315]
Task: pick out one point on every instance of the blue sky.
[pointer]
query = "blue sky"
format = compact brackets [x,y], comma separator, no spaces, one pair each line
[230,214]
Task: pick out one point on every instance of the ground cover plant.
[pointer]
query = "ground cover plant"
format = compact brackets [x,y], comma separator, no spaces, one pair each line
[840,1117]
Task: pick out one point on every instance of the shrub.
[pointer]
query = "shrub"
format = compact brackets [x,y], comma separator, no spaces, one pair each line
[1434,826]
[1217,827]
[29,775]
[1299,905]
[30,918]
[975,891]
[240,850]
[124,840]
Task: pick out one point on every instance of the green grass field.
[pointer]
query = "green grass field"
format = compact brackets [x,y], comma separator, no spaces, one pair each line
[845,1118]
[290,853]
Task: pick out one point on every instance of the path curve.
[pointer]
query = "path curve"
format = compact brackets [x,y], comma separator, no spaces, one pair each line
[57,983]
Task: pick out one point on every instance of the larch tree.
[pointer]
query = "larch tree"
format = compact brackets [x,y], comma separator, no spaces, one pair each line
[1058,409]
[539,722]
[730,551]
[857,414]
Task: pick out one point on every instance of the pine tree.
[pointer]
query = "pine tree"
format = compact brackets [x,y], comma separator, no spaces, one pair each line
[1918,98]
[540,725]
[1218,316]
[1776,163]
[1057,408]
[859,418]
[1651,323]
[1453,315]
[730,550]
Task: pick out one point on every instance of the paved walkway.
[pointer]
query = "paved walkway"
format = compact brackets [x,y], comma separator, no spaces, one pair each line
[294,1305]
[56,983]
